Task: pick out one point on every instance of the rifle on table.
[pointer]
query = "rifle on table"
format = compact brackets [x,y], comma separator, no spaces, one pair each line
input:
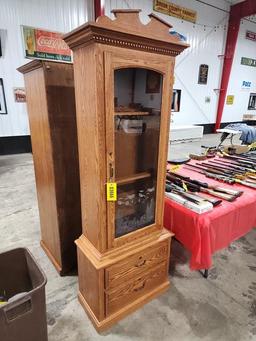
[195,198]
[235,165]
[226,169]
[213,176]
[218,173]
[216,191]
[206,185]
[230,172]
[240,160]
[239,173]
[243,157]
[248,172]
[177,184]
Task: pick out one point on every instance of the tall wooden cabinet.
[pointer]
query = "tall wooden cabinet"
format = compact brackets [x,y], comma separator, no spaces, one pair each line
[123,83]
[52,117]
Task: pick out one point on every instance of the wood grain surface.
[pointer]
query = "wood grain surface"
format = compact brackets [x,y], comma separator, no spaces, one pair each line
[52,117]
[118,274]
[134,265]
[135,288]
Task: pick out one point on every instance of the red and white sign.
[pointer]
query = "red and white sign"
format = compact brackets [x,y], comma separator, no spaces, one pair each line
[41,44]
[51,42]
[250,35]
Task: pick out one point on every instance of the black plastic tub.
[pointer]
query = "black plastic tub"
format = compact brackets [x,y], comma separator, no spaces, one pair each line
[24,318]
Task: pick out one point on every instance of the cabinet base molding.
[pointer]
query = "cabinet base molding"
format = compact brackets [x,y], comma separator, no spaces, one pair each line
[122,281]
[51,257]
[101,260]
[123,312]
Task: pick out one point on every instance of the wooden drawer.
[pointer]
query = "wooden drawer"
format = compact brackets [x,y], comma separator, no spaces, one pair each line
[139,286]
[131,267]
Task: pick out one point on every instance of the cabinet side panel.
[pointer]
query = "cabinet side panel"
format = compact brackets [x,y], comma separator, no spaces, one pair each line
[59,80]
[91,285]
[164,137]
[43,162]
[89,91]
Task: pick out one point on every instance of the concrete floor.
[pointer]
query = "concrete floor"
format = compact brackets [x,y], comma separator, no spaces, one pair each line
[220,308]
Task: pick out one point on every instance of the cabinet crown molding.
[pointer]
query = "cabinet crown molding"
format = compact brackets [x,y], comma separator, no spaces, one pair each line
[37,64]
[127,31]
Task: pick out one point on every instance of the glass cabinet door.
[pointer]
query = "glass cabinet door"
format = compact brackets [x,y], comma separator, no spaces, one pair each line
[137,117]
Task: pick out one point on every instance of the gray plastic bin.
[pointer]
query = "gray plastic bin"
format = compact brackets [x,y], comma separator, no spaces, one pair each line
[23,319]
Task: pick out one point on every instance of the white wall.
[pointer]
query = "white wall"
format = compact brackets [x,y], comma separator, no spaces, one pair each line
[240,73]
[53,15]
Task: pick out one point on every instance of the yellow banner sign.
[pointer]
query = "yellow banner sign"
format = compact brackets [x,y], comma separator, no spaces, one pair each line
[169,8]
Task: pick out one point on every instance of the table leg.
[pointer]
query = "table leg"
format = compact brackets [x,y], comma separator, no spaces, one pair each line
[206,273]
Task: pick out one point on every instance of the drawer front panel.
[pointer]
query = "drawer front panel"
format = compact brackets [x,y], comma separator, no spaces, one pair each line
[136,288]
[141,262]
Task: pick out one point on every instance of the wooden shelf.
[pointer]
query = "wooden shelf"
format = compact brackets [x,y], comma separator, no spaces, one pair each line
[131,113]
[128,179]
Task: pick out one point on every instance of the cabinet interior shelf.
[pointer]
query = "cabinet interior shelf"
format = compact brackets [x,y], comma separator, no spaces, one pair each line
[131,113]
[134,177]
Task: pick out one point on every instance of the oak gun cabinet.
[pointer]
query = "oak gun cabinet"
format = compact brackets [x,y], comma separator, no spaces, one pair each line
[123,83]
[52,117]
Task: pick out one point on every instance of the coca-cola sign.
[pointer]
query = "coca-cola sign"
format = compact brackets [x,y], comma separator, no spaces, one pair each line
[43,44]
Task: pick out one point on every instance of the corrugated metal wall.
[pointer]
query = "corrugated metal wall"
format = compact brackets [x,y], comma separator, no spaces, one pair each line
[55,15]
[207,41]
[240,73]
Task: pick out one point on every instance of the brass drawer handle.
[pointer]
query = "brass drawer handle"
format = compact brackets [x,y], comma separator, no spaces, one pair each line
[141,287]
[140,262]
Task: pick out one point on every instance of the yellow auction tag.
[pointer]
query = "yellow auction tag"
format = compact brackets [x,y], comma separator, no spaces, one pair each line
[111,191]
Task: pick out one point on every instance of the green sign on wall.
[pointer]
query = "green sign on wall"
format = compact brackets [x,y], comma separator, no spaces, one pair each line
[248,61]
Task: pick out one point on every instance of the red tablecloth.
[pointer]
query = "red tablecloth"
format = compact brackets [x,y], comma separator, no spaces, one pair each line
[203,234]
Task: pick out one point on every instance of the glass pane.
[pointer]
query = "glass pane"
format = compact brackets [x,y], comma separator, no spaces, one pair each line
[138,95]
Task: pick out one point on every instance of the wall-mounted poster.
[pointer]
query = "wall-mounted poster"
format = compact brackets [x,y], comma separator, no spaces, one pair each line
[41,44]
[174,10]
[252,102]
[250,35]
[153,81]
[230,99]
[248,61]
[3,107]
[203,74]
[19,95]
[3,38]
